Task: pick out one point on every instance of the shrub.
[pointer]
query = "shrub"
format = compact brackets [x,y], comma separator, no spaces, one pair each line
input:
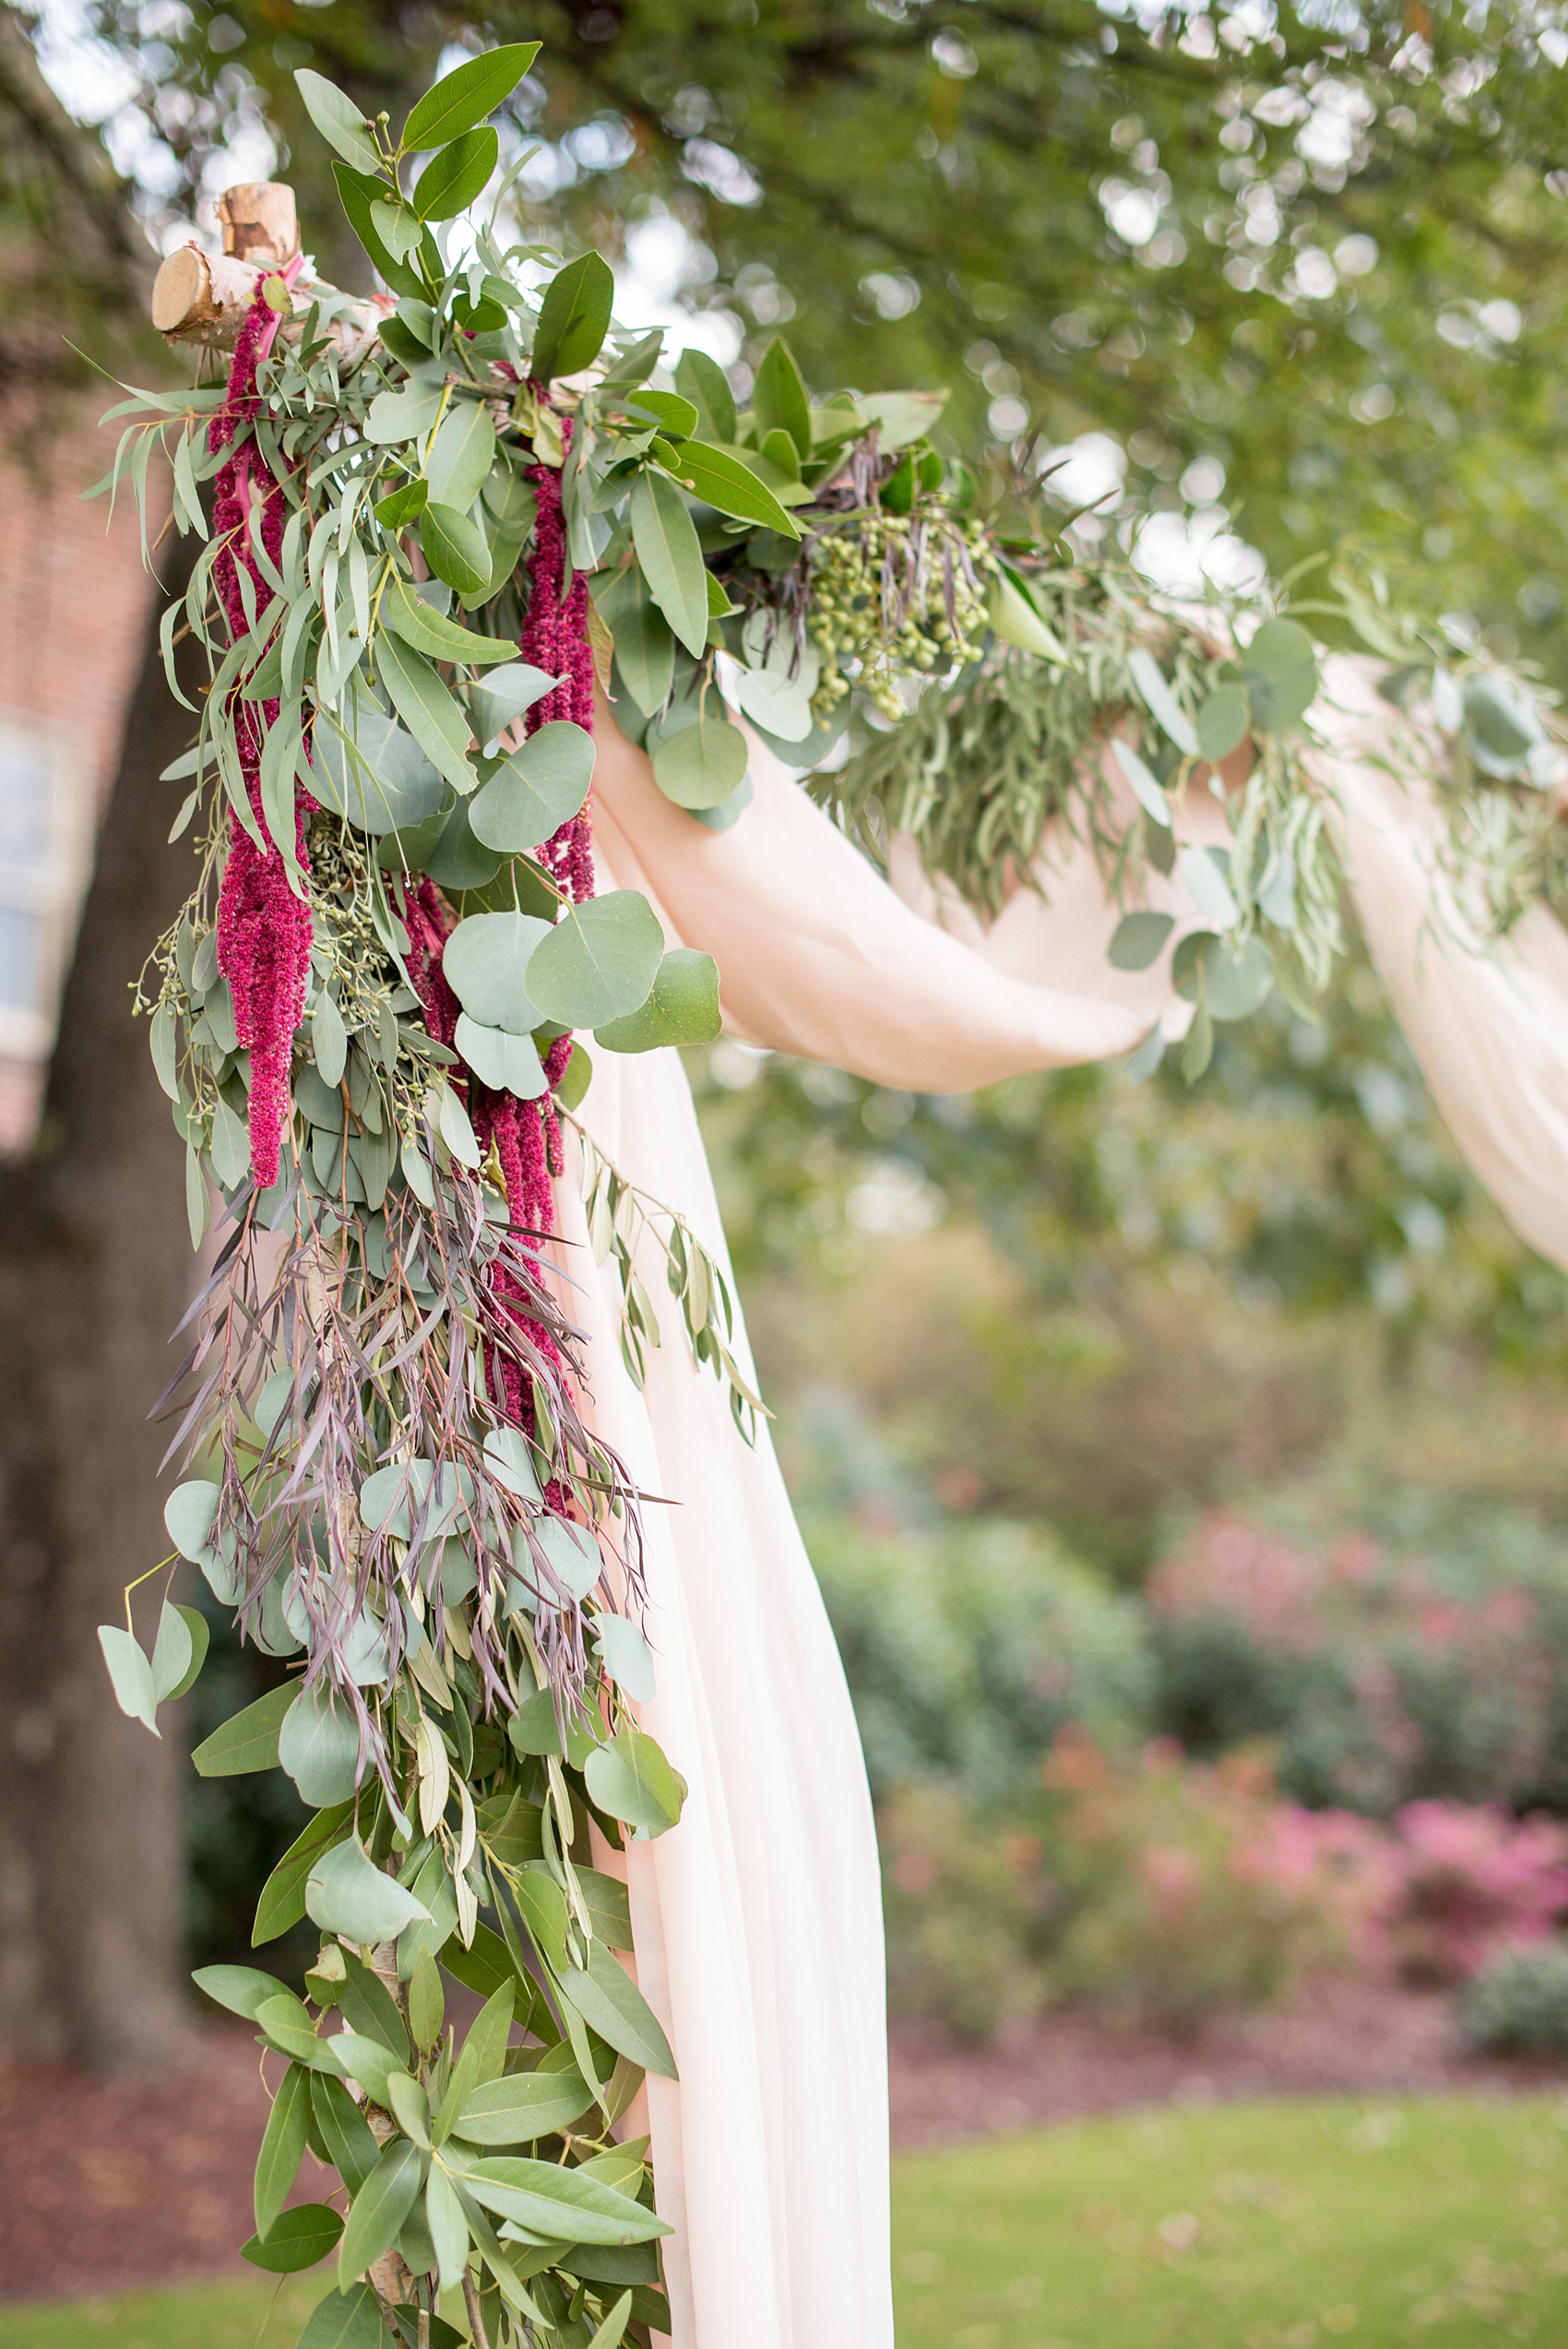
[1474,1883]
[1517,2005]
[1158,1892]
[1382,1678]
[968,1647]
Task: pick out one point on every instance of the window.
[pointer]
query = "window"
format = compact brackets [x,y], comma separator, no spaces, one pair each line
[44,845]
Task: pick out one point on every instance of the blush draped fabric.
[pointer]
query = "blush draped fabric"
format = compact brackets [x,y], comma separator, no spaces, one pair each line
[757,1920]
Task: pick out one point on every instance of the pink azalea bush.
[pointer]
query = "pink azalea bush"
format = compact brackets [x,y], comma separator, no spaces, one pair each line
[1380,1679]
[1163,1892]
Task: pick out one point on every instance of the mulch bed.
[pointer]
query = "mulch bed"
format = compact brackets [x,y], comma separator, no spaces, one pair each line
[129,2179]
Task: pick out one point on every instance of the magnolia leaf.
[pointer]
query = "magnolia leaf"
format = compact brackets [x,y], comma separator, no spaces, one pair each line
[428,710]
[507,1064]
[597,962]
[319,1746]
[676,416]
[1138,940]
[703,381]
[283,2147]
[683,1007]
[1161,703]
[779,400]
[539,788]
[612,2331]
[454,547]
[644,644]
[500,696]
[523,2107]
[1146,788]
[727,483]
[348,1894]
[448,2228]
[298,2238]
[348,2320]
[670,556]
[345,2132]
[401,505]
[902,417]
[699,765]
[398,226]
[627,1657]
[394,417]
[557,2202]
[130,1673]
[609,2002]
[369,2062]
[487,964]
[630,1778]
[379,2209]
[360,194]
[282,1899]
[338,120]
[461,455]
[456,174]
[574,319]
[369,2008]
[467,95]
[608,1907]
[248,1741]
[541,1905]
[244,1990]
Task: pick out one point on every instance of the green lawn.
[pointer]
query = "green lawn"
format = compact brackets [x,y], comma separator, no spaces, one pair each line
[1265,2227]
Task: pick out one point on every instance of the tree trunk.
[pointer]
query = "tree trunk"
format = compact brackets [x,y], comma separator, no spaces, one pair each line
[95,1271]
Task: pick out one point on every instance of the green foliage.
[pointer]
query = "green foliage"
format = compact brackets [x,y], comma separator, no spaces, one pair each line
[1418,1647]
[899,198]
[1238,2224]
[1518,2004]
[969,1646]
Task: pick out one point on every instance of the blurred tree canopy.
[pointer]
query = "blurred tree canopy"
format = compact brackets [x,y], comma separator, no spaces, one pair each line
[1325,249]
[1311,263]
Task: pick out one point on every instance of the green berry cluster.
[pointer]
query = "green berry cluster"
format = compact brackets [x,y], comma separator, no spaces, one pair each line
[895,595]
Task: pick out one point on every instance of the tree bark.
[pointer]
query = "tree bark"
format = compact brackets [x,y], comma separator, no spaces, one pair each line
[95,1271]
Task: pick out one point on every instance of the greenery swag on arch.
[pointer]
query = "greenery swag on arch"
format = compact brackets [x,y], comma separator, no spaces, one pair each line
[438,519]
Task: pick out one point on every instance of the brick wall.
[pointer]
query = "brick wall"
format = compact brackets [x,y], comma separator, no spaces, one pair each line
[75,601]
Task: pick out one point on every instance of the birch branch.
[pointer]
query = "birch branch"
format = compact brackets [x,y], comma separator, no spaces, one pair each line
[203,297]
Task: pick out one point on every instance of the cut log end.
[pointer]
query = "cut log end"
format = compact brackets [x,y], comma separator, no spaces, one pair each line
[260,221]
[182,291]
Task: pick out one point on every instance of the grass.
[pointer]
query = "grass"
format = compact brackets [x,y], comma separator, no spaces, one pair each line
[1263,2226]
[1440,2222]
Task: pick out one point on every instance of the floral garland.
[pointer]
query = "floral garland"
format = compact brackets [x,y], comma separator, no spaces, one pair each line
[426,547]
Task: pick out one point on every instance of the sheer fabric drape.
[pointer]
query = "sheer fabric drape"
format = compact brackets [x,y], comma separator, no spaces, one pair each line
[757,1920]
